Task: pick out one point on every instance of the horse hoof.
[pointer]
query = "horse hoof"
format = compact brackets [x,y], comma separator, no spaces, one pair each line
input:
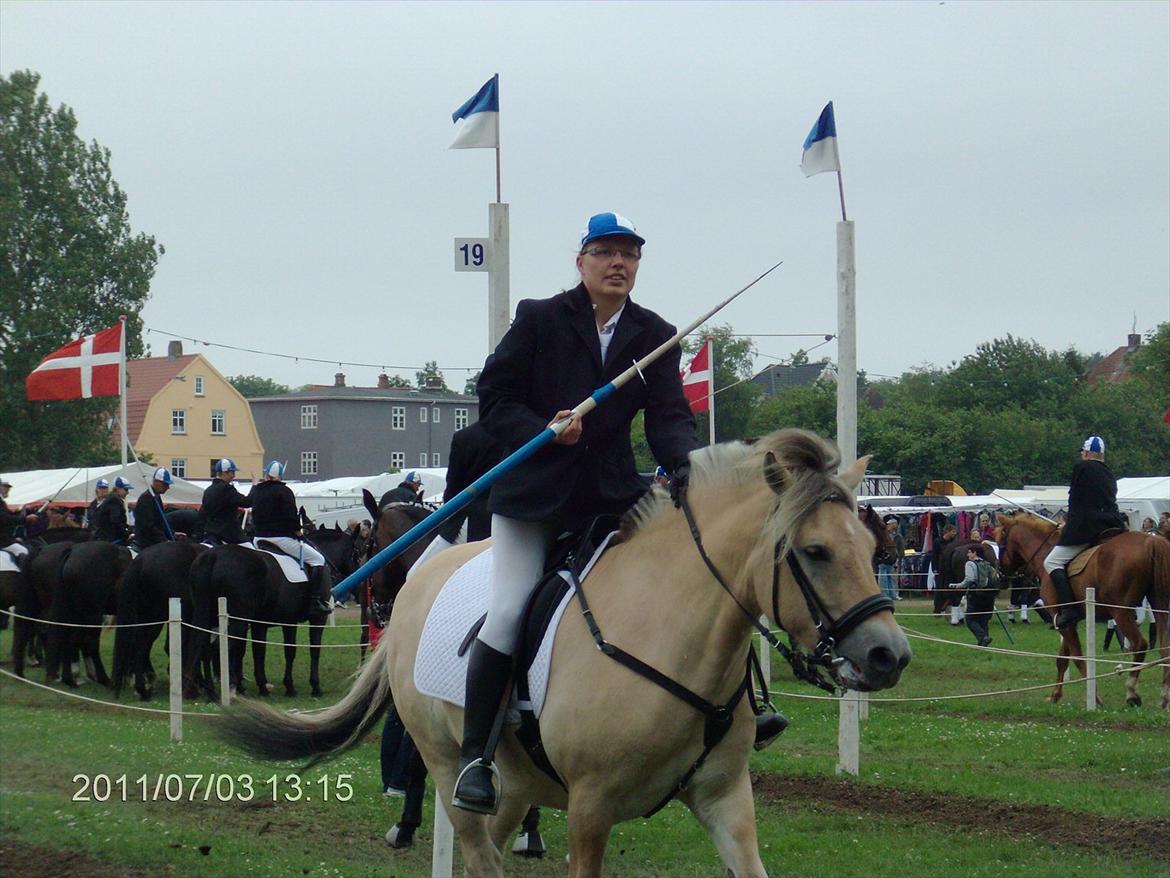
[1134,701]
[400,837]
[268,688]
[317,693]
[529,844]
[290,691]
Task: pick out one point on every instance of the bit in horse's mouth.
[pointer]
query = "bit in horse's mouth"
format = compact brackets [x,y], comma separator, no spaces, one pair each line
[849,676]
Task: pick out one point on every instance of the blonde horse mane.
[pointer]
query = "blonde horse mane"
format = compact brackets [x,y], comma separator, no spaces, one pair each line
[806,463]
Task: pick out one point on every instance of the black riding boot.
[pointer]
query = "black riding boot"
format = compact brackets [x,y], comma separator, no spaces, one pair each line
[321,585]
[768,728]
[488,673]
[1071,613]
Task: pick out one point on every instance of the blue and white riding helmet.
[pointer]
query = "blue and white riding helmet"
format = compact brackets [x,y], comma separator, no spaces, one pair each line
[274,470]
[102,483]
[414,478]
[226,465]
[1094,444]
[162,474]
[122,483]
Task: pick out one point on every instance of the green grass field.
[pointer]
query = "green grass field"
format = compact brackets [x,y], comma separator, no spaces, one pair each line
[1004,785]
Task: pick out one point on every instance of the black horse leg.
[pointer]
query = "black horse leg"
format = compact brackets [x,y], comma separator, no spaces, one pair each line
[259,655]
[316,631]
[21,641]
[290,655]
[91,654]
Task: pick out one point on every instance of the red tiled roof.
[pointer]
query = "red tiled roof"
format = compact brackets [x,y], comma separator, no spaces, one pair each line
[1113,369]
[146,378]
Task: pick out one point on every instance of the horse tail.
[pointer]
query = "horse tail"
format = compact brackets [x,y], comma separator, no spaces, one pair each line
[272,734]
[126,638]
[1158,551]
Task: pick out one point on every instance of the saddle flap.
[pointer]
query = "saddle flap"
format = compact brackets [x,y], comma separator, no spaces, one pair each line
[1081,561]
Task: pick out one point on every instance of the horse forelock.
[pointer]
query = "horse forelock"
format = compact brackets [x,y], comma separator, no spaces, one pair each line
[809,463]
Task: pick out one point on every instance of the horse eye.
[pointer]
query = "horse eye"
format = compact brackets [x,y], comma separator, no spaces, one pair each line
[816,553]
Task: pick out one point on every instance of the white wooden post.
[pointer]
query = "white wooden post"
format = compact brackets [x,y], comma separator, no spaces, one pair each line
[1091,648]
[443,851]
[225,686]
[175,636]
[848,735]
[863,706]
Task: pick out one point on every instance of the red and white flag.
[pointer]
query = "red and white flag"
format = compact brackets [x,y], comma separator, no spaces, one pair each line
[84,368]
[696,379]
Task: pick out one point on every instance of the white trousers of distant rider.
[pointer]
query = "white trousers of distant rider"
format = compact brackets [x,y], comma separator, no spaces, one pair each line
[298,549]
[437,545]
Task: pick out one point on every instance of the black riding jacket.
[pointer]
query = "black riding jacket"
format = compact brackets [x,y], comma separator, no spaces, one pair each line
[220,511]
[109,522]
[1092,503]
[9,522]
[274,510]
[150,526]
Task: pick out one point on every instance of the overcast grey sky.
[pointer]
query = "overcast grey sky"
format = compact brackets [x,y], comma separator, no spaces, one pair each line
[1007,166]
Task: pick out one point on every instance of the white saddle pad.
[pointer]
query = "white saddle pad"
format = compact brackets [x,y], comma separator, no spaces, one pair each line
[8,557]
[439,671]
[288,564]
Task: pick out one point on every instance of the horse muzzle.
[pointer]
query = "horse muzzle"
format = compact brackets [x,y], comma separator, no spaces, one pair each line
[872,657]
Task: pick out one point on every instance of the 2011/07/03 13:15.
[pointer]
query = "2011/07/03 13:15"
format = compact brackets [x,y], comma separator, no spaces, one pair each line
[211,788]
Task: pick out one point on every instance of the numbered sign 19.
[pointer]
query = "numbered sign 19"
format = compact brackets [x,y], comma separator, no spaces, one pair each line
[471,254]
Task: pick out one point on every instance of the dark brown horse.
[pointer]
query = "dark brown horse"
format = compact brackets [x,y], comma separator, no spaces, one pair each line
[1123,570]
[390,522]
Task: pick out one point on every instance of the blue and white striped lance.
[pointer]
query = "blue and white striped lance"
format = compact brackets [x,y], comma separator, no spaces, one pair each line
[517,457]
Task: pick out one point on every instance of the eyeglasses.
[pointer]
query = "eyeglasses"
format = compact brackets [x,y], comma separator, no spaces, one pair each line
[610,253]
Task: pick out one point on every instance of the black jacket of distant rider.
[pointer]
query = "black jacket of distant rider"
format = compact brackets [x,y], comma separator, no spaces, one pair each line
[109,522]
[220,511]
[274,510]
[150,527]
[1092,503]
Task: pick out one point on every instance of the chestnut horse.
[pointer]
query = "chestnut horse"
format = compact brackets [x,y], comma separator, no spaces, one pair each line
[781,529]
[1124,569]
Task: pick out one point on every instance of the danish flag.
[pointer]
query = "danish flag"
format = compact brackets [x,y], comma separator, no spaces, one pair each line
[696,379]
[85,368]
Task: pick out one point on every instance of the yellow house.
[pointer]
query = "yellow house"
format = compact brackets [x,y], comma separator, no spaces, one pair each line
[186,415]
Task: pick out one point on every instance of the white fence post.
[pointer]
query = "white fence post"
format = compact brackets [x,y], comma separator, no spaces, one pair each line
[175,637]
[863,706]
[1091,648]
[848,734]
[225,686]
[443,851]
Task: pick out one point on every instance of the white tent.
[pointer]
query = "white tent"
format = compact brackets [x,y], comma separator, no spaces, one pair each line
[1142,498]
[76,487]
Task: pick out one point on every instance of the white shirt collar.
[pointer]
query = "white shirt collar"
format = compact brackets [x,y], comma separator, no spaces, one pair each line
[605,333]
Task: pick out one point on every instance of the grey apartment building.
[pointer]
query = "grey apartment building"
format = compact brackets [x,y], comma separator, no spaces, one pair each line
[326,432]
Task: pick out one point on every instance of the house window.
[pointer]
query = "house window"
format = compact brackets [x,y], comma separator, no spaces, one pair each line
[397,460]
[199,385]
[308,463]
[217,422]
[435,414]
[398,420]
[308,417]
[179,467]
[422,458]
[178,421]
[422,414]
[435,459]
[460,418]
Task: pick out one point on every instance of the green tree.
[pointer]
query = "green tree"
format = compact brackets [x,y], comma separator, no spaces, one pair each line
[398,381]
[252,386]
[430,373]
[736,396]
[470,383]
[71,265]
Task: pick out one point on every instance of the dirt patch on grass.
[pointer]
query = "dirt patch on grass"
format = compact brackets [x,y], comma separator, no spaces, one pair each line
[1046,824]
[33,861]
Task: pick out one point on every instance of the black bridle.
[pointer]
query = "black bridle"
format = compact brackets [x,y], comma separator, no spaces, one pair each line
[830,630]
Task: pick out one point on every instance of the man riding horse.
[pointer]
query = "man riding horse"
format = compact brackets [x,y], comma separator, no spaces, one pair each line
[1092,510]
[219,513]
[555,353]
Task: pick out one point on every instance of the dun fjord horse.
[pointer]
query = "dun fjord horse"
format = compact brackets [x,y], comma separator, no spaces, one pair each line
[782,531]
[1124,569]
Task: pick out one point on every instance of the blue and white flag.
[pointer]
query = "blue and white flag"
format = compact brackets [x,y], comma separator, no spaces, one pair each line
[820,147]
[481,118]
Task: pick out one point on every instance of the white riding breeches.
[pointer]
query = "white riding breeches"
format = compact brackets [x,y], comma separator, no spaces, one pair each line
[438,544]
[1061,555]
[297,549]
[518,552]
[17,549]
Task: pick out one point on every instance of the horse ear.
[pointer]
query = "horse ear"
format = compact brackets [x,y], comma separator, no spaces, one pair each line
[853,475]
[368,502]
[774,473]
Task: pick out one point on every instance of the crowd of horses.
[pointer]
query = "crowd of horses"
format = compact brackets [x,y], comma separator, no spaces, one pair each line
[68,584]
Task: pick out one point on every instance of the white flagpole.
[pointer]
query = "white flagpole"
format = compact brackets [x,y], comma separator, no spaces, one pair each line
[122,388]
[711,389]
[498,198]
